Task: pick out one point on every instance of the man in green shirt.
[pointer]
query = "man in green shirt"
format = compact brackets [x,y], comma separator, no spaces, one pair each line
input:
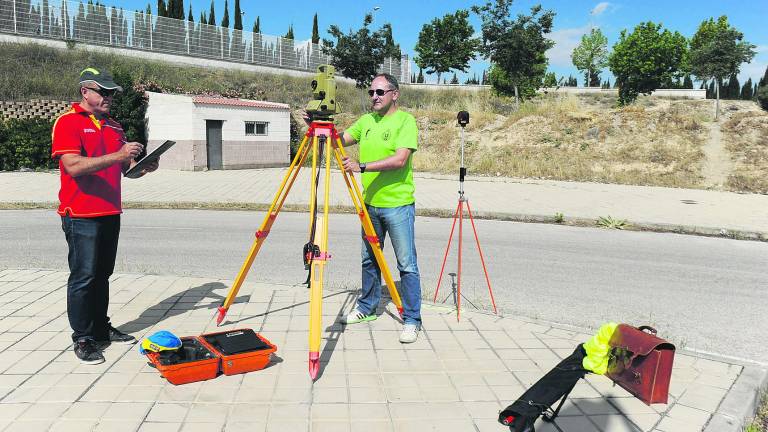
[387,137]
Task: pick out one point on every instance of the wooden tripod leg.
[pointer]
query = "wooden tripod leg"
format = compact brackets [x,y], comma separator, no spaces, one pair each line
[370,232]
[266,225]
[445,256]
[482,260]
[316,275]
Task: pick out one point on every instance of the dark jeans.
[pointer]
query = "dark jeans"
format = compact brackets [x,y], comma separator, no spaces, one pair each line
[92,251]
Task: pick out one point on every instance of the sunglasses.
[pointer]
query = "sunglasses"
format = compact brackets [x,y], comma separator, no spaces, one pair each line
[379,92]
[103,92]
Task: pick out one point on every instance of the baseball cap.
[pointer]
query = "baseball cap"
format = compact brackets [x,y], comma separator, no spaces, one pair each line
[102,78]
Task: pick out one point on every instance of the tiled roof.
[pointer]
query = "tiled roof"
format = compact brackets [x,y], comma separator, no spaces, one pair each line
[208,100]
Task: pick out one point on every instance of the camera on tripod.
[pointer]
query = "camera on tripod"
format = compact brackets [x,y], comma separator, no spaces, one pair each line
[323,104]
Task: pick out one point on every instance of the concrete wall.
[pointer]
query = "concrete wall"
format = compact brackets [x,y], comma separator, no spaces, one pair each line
[178,118]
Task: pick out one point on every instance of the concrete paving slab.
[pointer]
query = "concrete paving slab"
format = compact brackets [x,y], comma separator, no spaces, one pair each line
[457,377]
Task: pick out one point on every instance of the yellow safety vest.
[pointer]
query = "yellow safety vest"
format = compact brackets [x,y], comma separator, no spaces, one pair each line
[597,349]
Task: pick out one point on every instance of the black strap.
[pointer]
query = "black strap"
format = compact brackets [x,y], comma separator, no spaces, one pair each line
[310,249]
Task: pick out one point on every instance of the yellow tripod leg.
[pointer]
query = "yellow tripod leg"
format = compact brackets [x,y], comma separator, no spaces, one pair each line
[316,274]
[266,225]
[370,232]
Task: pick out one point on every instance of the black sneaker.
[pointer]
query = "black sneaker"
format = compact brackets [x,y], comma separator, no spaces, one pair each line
[87,352]
[118,337]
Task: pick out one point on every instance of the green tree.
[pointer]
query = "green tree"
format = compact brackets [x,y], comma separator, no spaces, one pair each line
[446,43]
[356,54]
[257,25]
[455,79]
[550,80]
[391,49]
[591,56]
[688,82]
[746,91]
[212,15]
[315,32]
[515,47]
[733,87]
[162,11]
[644,59]
[420,78]
[238,16]
[762,96]
[717,50]
[289,33]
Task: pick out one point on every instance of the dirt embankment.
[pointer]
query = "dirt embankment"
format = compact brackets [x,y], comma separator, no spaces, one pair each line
[660,142]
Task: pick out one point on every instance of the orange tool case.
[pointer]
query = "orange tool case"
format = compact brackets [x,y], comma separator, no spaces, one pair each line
[203,357]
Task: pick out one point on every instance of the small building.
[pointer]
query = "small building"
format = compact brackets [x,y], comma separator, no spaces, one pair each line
[218,133]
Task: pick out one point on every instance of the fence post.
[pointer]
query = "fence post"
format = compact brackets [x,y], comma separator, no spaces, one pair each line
[221,41]
[15,30]
[110,28]
[150,30]
[187,33]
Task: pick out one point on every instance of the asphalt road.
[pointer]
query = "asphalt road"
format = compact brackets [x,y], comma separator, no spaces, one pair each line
[709,294]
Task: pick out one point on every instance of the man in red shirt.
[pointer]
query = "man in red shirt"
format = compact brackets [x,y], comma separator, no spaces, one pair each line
[93,154]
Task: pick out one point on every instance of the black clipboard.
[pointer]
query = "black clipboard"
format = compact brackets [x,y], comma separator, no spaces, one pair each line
[135,171]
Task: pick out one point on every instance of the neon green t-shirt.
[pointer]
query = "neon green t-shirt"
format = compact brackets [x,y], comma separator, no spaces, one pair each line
[379,138]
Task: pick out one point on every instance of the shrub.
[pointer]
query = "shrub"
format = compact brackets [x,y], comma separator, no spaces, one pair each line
[762,97]
[26,143]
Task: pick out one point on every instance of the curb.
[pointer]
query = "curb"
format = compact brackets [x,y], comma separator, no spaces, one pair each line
[741,402]
[432,212]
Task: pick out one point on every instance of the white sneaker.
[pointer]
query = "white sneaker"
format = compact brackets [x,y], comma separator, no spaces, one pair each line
[409,334]
[356,316]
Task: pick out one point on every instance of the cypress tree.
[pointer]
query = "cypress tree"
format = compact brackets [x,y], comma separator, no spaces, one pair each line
[746,90]
[257,26]
[238,16]
[289,34]
[733,87]
[420,78]
[688,82]
[212,15]
[225,20]
[455,79]
[315,32]
[711,90]
[161,9]
[189,16]
[754,92]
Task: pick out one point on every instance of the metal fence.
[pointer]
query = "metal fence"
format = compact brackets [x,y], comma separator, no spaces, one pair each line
[110,26]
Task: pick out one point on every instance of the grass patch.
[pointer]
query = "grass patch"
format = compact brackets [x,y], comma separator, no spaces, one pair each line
[760,423]
[746,136]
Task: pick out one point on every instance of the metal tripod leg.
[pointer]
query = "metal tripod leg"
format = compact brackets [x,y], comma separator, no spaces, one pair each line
[370,232]
[459,215]
[266,225]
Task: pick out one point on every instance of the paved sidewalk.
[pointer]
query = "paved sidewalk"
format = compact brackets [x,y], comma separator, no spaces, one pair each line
[664,209]
[456,377]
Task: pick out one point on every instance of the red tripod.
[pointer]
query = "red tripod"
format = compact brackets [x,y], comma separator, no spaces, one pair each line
[463,120]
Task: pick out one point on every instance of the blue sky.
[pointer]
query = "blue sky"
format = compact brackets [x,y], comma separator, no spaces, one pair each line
[573,19]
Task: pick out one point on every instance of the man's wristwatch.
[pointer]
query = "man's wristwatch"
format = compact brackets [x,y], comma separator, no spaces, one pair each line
[362,167]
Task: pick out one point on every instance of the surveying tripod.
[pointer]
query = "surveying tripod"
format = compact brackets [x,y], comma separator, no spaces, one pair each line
[315,141]
[463,119]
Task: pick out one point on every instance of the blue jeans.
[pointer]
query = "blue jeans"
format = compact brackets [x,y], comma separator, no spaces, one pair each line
[92,251]
[399,223]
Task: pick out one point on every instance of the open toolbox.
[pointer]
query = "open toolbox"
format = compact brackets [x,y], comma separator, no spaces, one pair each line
[203,357]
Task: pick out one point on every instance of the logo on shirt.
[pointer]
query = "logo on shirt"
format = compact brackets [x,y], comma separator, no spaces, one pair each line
[89,130]
[385,135]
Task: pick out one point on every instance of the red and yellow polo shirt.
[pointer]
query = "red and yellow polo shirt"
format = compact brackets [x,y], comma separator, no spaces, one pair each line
[79,132]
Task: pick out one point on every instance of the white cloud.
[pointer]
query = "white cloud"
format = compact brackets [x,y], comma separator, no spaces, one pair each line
[565,41]
[599,8]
